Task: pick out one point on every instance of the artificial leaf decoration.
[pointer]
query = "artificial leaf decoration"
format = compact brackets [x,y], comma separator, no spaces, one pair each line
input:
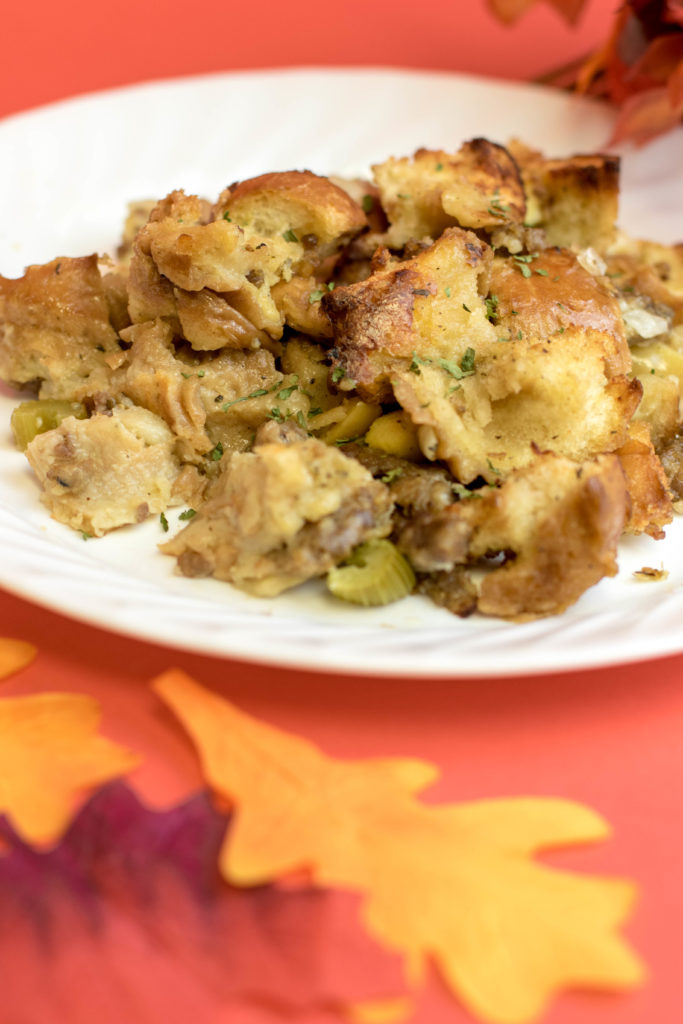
[14,655]
[128,920]
[454,884]
[50,754]
[505,931]
[296,808]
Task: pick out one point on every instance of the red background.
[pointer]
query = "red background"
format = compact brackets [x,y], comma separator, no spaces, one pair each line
[610,738]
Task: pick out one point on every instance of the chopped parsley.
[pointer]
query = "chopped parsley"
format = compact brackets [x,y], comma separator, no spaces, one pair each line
[226,216]
[301,420]
[289,236]
[496,208]
[523,263]
[491,304]
[275,414]
[439,167]
[244,398]
[466,308]
[493,469]
[316,296]
[462,492]
[391,475]
[467,361]
[187,514]
[86,536]
[216,453]
[450,366]
[288,391]
[164,522]
[417,362]
[368,204]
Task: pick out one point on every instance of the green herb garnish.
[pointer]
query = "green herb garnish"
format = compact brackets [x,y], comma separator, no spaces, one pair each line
[244,398]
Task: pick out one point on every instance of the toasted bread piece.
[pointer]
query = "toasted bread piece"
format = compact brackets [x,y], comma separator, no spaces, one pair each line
[575,200]
[107,471]
[315,216]
[55,329]
[555,522]
[547,365]
[415,307]
[646,483]
[477,187]
[190,391]
[282,514]
[298,301]
[562,521]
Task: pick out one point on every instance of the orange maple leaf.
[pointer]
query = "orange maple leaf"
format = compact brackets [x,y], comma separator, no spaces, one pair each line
[14,655]
[50,754]
[283,787]
[457,884]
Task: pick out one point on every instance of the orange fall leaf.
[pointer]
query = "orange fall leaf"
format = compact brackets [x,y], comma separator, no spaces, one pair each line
[455,884]
[50,754]
[14,655]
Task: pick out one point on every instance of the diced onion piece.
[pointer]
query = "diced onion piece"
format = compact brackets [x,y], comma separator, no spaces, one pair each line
[592,261]
[376,573]
[356,421]
[395,434]
[40,415]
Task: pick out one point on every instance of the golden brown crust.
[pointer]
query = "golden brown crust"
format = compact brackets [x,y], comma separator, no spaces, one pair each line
[322,217]
[477,187]
[298,302]
[646,483]
[414,307]
[575,200]
[55,329]
[569,545]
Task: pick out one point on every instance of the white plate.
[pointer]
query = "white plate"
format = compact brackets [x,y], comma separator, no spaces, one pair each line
[68,171]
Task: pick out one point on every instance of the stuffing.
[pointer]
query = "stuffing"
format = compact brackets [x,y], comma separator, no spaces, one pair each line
[197,395]
[313,214]
[462,359]
[55,329]
[106,471]
[574,200]
[489,356]
[284,513]
[646,484]
[417,306]
[477,187]
[555,522]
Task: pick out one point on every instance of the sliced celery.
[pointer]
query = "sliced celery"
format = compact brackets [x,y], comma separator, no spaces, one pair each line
[36,417]
[376,573]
